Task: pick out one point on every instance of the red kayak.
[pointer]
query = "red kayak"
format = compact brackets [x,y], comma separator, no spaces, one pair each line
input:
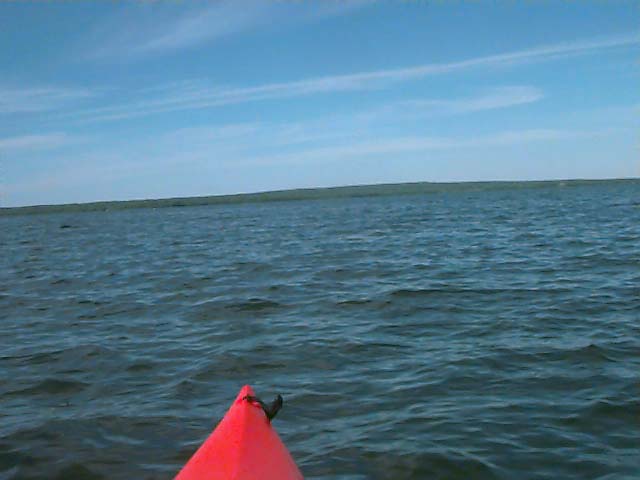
[244,446]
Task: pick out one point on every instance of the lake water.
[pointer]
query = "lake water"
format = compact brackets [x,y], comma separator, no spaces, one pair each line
[457,335]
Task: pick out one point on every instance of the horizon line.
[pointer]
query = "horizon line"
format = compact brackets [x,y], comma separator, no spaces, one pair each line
[275,194]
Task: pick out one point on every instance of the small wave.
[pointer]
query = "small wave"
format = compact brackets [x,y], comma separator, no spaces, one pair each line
[436,464]
[89,302]
[53,386]
[71,356]
[618,410]
[583,353]
[590,352]
[253,267]
[11,457]
[254,305]
[427,292]
[77,471]
[421,292]
[355,302]
[140,367]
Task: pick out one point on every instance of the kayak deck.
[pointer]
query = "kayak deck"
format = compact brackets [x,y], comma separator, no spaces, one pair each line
[244,446]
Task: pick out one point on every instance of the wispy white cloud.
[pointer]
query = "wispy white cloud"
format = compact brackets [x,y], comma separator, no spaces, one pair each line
[161,28]
[199,95]
[202,95]
[35,142]
[39,99]
[492,99]
[230,140]
[192,28]
[496,98]
[413,144]
[337,126]
[312,145]
[261,135]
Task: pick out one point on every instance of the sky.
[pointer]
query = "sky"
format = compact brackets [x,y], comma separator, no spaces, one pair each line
[130,100]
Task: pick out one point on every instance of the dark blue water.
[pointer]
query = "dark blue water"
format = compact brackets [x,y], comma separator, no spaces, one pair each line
[463,335]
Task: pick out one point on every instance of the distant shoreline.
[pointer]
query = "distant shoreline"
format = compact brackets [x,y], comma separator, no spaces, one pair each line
[352,191]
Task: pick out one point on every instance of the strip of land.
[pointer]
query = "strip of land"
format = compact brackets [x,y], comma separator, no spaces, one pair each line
[309,194]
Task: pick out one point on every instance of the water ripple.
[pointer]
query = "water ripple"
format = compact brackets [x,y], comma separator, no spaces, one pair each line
[454,335]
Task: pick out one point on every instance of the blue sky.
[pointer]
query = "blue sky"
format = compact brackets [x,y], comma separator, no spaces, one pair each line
[118,100]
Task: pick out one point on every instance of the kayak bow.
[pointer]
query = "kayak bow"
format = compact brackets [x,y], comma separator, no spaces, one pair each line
[244,446]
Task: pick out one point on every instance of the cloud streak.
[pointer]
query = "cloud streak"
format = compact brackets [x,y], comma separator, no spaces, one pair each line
[158,29]
[35,142]
[495,98]
[39,99]
[414,144]
[200,95]
[503,97]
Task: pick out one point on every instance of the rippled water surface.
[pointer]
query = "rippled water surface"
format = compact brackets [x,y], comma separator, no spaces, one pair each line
[463,335]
